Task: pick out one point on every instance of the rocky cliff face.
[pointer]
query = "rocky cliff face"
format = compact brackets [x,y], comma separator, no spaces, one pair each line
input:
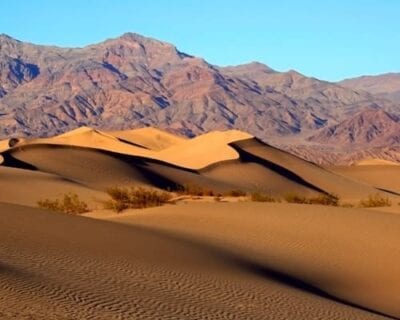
[133,81]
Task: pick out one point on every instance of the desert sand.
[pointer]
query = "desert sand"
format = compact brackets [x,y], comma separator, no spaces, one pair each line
[374,162]
[199,262]
[378,174]
[218,160]
[322,246]
[198,259]
[148,137]
[3,145]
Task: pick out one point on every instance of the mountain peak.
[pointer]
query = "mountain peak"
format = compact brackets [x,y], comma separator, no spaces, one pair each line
[135,81]
[140,39]
[250,69]
[7,38]
[135,37]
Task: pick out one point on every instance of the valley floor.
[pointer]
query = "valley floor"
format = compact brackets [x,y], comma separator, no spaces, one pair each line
[200,261]
[202,258]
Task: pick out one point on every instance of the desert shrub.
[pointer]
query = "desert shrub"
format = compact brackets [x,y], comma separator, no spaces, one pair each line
[375,200]
[323,199]
[295,198]
[135,198]
[195,190]
[262,197]
[70,203]
[235,193]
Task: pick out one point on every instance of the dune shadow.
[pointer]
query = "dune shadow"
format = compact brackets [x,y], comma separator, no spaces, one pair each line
[10,161]
[141,164]
[246,156]
[388,191]
[253,267]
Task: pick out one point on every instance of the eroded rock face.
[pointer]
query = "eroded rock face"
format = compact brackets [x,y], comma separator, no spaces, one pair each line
[133,81]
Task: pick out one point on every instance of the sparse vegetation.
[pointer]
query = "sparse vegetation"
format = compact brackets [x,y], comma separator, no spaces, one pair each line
[295,198]
[235,193]
[135,198]
[195,190]
[323,199]
[70,203]
[262,197]
[375,200]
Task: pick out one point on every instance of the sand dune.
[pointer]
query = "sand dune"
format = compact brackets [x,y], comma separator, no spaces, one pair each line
[194,260]
[195,153]
[220,161]
[26,187]
[303,171]
[66,267]
[90,167]
[375,162]
[149,138]
[256,177]
[351,254]
[382,176]
[91,138]
[204,150]
[4,145]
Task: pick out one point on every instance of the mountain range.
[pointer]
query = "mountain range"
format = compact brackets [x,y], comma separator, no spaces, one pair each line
[134,81]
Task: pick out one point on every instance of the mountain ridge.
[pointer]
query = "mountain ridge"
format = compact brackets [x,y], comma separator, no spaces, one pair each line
[133,81]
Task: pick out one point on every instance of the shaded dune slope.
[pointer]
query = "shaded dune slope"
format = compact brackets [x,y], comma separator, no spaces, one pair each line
[149,138]
[381,176]
[27,187]
[66,267]
[94,168]
[302,171]
[220,161]
[347,253]
[100,170]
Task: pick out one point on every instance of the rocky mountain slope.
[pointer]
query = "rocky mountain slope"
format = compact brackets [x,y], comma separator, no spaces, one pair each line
[369,134]
[133,81]
[385,85]
[367,129]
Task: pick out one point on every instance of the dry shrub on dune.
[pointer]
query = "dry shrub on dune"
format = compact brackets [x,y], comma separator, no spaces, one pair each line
[375,200]
[262,197]
[323,199]
[195,190]
[135,198]
[70,203]
[235,193]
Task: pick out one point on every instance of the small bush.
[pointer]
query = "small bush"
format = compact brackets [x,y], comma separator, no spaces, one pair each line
[323,199]
[262,197]
[235,193]
[294,198]
[135,198]
[375,200]
[70,203]
[195,190]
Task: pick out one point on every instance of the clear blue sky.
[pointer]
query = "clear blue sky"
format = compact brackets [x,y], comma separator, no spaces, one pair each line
[323,38]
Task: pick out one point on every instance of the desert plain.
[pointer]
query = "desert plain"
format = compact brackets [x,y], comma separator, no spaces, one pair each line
[222,253]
